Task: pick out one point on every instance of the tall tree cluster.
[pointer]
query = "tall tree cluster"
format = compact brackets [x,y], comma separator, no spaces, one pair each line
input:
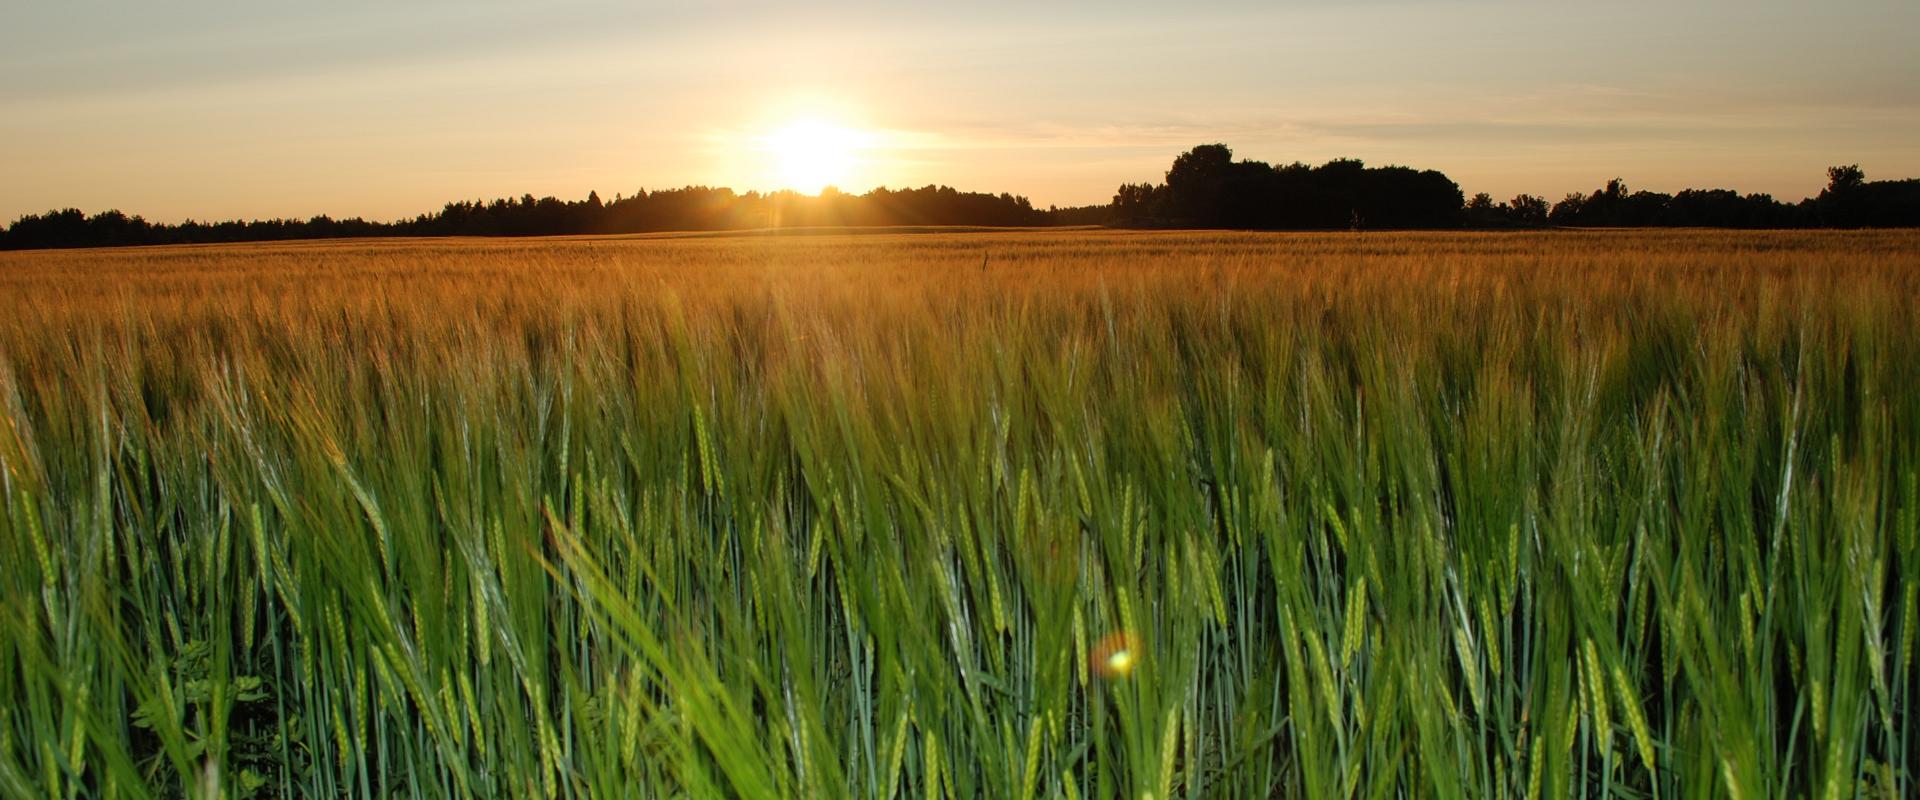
[1206,188]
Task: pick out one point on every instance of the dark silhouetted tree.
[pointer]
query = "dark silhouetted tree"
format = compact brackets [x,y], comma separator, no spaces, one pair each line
[1568,210]
[1852,201]
[1528,209]
[1844,179]
[1196,182]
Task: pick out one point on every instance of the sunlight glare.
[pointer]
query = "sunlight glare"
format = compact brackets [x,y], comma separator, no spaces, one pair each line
[811,155]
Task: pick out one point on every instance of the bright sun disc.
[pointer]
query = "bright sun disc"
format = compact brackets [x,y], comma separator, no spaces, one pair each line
[812,155]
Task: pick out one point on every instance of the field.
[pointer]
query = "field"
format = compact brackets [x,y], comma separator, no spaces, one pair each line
[1086,514]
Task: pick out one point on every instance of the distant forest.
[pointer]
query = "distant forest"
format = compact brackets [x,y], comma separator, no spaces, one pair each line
[1205,188]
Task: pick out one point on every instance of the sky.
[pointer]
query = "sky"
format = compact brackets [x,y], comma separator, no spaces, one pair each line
[216,110]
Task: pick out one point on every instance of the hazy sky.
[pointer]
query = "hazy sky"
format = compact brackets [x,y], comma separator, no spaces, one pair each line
[254,109]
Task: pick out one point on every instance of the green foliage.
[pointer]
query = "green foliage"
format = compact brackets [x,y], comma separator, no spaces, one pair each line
[1115,515]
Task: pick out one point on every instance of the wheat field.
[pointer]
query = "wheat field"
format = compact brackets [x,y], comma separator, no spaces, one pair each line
[1077,514]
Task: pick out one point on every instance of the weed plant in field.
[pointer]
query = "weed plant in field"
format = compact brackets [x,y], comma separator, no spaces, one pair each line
[1115,515]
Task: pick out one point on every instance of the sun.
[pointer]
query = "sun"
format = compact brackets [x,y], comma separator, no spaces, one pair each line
[811,154]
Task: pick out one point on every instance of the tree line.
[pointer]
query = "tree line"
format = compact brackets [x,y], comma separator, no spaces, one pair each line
[1204,188]
[693,208]
[1848,201]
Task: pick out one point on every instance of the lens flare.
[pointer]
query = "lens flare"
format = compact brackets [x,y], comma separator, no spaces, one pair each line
[1116,655]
